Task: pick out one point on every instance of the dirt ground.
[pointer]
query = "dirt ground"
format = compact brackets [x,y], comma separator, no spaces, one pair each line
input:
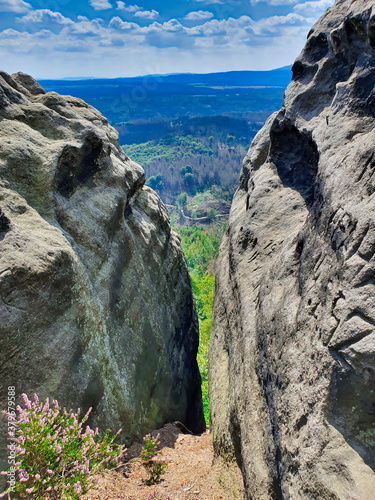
[191,472]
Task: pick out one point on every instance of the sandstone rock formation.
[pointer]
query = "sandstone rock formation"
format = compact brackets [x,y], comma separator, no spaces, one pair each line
[292,355]
[96,307]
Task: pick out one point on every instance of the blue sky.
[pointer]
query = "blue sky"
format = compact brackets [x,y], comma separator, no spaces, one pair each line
[111,38]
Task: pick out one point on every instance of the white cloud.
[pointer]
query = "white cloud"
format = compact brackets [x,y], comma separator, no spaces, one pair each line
[44,16]
[138,11]
[198,15]
[16,6]
[84,27]
[276,25]
[274,2]
[171,26]
[313,8]
[100,4]
[128,8]
[147,14]
[210,2]
[118,24]
[213,45]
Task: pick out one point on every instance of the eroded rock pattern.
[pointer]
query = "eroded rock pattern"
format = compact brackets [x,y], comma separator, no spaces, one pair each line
[292,355]
[96,307]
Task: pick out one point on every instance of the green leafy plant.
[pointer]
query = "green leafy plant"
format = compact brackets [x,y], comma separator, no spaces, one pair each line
[181,200]
[211,214]
[156,182]
[155,470]
[55,456]
[367,437]
[149,447]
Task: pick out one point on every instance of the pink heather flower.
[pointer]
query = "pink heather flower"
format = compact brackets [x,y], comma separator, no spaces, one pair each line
[49,471]
[77,487]
[58,449]
[26,401]
[29,490]
[3,494]
[49,488]
[37,476]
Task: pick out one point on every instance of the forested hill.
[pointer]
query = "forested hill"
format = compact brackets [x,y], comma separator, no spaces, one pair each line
[188,131]
[275,78]
[249,94]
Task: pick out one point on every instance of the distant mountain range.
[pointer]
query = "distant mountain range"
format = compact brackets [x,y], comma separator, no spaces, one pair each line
[245,95]
[275,78]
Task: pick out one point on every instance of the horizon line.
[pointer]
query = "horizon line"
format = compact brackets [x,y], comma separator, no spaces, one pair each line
[83,78]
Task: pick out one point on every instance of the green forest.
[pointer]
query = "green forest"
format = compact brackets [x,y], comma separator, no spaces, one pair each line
[201,247]
[193,154]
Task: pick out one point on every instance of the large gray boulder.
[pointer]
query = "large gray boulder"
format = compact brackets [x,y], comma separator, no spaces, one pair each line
[292,355]
[96,307]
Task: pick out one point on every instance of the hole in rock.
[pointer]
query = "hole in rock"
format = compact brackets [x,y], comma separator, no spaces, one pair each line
[4,225]
[296,157]
[78,166]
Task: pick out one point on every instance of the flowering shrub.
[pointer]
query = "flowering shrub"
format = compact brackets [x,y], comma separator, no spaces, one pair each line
[55,455]
[154,468]
[149,447]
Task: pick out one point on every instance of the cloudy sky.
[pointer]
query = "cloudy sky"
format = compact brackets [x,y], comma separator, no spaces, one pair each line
[110,38]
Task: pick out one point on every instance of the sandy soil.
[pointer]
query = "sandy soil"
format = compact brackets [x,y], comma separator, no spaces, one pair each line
[191,472]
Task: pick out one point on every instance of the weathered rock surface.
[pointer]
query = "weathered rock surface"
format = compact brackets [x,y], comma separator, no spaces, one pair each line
[292,355]
[96,307]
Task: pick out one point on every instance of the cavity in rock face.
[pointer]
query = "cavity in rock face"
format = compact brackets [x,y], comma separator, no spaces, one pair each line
[292,354]
[96,307]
